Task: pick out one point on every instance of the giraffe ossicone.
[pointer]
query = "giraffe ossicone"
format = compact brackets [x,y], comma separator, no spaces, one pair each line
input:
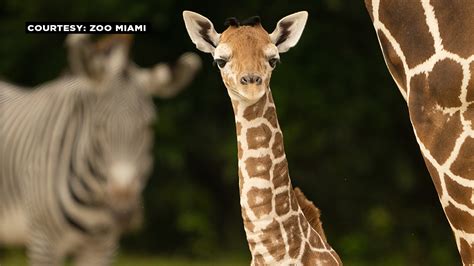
[281,225]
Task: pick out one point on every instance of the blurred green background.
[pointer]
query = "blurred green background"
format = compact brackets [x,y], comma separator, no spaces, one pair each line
[347,134]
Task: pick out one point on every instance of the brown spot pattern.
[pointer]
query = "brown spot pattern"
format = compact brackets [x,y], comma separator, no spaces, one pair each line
[240,151]
[293,234]
[311,213]
[241,180]
[251,244]
[247,222]
[466,252]
[238,127]
[470,85]
[304,225]
[258,259]
[445,82]
[436,130]
[464,163]
[273,240]
[320,258]
[459,219]
[282,203]
[259,137]
[260,201]
[255,110]
[434,176]
[393,61]
[403,20]
[246,43]
[441,87]
[270,115]
[280,174]
[469,113]
[259,167]
[293,199]
[330,258]
[368,5]
[314,258]
[315,240]
[455,22]
[459,193]
[277,148]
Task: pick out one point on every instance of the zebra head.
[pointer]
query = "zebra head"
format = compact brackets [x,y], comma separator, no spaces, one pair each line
[122,113]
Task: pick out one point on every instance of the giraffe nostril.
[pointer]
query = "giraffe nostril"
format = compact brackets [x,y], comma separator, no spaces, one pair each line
[250,79]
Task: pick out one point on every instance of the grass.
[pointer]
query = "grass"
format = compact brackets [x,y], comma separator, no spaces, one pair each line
[18,258]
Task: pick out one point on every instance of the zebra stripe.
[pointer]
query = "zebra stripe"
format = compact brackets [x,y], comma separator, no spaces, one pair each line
[74,157]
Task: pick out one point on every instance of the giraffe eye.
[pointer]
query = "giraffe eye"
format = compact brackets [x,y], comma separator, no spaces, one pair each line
[273,62]
[220,62]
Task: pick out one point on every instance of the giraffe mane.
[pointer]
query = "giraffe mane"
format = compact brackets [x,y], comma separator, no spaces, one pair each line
[311,212]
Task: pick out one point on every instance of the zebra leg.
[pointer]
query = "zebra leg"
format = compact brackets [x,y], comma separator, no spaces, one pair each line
[42,252]
[99,252]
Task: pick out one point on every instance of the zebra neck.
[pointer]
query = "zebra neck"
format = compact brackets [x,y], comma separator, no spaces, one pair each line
[81,190]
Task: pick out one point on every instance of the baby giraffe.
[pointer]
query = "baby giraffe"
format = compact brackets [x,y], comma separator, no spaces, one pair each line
[281,225]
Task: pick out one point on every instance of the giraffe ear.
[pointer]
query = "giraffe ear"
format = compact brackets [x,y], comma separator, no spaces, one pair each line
[288,31]
[201,31]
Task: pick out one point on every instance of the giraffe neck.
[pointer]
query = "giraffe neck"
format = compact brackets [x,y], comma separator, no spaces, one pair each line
[276,228]
[428,50]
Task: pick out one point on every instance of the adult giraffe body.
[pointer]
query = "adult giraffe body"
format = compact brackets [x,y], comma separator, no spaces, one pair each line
[429,49]
[282,227]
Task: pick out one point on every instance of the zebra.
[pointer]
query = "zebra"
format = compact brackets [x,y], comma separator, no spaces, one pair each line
[75,152]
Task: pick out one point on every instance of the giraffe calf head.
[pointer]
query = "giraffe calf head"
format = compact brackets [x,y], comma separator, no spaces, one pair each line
[245,52]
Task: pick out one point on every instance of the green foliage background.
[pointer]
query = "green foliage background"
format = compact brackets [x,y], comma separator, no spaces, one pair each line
[347,134]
